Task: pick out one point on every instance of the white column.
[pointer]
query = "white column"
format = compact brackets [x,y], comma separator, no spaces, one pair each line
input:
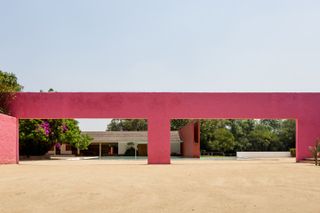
[99,150]
[135,150]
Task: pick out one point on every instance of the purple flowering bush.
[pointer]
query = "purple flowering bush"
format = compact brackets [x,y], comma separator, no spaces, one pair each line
[34,137]
[45,126]
[37,136]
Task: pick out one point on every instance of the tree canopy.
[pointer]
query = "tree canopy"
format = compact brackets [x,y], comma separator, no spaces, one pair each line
[223,140]
[8,85]
[37,136]
[140,124]
[127,125]
[229,136]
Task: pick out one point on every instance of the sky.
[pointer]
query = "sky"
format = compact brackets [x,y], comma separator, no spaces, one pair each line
[167,45]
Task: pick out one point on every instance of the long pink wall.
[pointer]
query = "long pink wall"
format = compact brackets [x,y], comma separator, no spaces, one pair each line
[159,108]
[8,140]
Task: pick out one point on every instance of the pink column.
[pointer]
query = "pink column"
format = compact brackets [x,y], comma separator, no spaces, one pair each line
[308,130]
[158,140]
[191,148]
[9,148]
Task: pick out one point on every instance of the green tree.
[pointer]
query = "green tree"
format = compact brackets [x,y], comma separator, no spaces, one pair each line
[38,136]
[140,124]
[251,135]
[177,124]
[115,125]
[287,134]
[128,125]
[8,86]
[33,137]
[240,130]
[207,131]
[263,139]
[273,125]
[223,141]
[73,135]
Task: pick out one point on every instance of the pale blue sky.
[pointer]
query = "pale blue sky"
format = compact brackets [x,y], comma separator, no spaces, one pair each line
[162,45]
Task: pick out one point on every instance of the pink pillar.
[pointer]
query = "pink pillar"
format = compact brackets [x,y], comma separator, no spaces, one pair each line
[191,142]
[158,140]
[307,131]
[9,148]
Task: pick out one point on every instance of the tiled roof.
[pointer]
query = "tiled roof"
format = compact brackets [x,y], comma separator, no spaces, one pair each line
[125,136]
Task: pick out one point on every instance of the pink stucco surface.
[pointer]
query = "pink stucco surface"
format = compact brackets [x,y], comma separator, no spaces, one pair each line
[159,108]
[190,148]
[8,140]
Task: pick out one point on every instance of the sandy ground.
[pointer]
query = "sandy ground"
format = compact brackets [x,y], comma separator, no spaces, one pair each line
[185,186]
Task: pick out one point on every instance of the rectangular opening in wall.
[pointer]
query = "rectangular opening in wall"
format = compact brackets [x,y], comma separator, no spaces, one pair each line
[236,137]
[116,139]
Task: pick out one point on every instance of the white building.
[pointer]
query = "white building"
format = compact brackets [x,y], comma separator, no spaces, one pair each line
[106,143]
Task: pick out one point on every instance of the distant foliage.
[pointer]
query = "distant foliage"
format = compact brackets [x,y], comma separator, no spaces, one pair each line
[247,135]
[140,124]
[177,124]
[127,125]
[8,85]
[223,141]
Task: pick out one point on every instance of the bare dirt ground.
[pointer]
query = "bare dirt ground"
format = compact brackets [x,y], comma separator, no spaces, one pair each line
[272,185]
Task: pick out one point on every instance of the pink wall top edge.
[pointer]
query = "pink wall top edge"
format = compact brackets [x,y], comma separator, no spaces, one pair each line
[7,117]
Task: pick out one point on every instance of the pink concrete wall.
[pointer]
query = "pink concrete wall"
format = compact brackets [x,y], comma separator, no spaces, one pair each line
[159,108]
[8,140]
[187,133]
[158,140]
